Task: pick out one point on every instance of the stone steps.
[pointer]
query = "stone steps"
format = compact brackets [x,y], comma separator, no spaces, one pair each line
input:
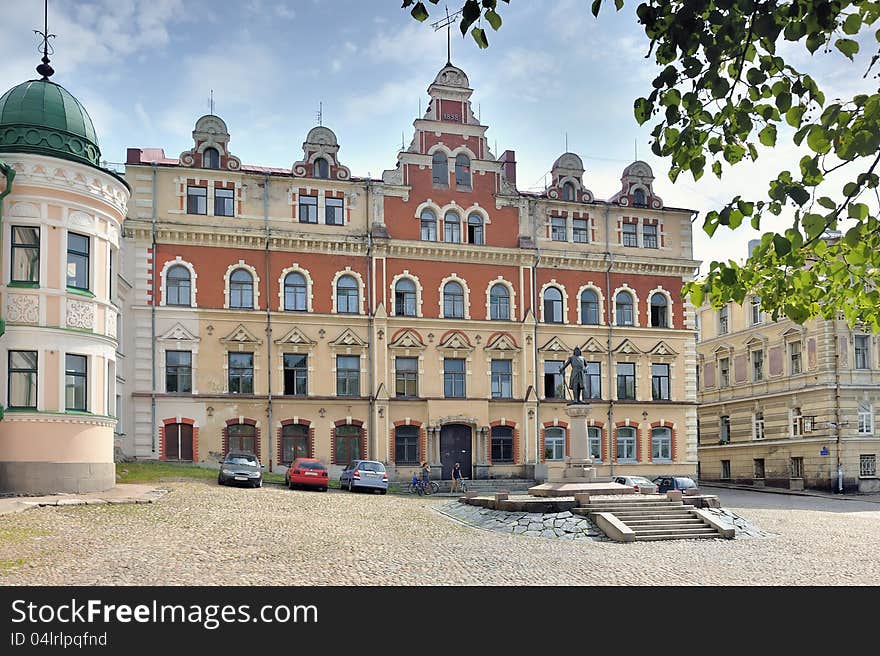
[674,536]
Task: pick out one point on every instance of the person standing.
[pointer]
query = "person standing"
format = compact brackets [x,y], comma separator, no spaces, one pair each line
[456,477]
[426,477]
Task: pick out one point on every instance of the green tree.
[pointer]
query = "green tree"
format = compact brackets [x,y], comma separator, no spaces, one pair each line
[721,90]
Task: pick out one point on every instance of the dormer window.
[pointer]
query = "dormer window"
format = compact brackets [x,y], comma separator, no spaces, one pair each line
[211,159]
[568,192]
[639,199]
[462,171]
[440,168]
[322,168]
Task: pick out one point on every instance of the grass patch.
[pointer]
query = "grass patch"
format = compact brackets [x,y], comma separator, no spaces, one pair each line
[19,534]
[10,564]
[153,472]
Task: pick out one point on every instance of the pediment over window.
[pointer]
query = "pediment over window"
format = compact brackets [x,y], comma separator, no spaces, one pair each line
[626,346]
[501,342]
[296,337]
[662,348]
[241,335]
[179,333]
[723,349]
[556,345]
[793,334]
[592,345]
[407,339]
[756,341]
[455,340]
[348,339]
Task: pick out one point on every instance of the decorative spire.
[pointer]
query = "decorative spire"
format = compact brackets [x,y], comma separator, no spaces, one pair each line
[447,23]
[45,69]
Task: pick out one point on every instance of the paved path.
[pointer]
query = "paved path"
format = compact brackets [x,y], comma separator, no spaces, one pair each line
[200,533]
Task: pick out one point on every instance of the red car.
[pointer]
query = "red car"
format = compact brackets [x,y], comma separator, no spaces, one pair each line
[306,472]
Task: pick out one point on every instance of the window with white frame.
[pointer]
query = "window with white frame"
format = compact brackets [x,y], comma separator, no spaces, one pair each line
[626,444]
[594,435]
[453,301]
[452,228]
[659,311]
[405,299]
[757,365]
[429,226]
[554,443]
[439,168]
[797,422]
[241,290]
[22,380]
[502,379]
[724,372]
[178,286]
[868,464]
[866,418]
[862,350]
[295,292]
[758,423]
[308,209]
[797,467]
[333,211]
[723,321]
[499,303]
[322,168]
[211,158]
[624,305]
[579,231]
[757,315]
[558,229]
[794,358]
[649,236]
[462,171]
[661,444]
[224,202]
[725,430]
[553,305]
[630,234]
[568,192]
[475,229]
[589,308]
[347,295]
[25,254]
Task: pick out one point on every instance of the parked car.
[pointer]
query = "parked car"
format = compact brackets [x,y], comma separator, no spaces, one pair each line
[306,472]
[638,483]
[369,474]
[240,467]
[682,483]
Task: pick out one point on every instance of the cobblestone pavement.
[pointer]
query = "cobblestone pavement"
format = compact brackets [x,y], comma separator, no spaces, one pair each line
[200,533]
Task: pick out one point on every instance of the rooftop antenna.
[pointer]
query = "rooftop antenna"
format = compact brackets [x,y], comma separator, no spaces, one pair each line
[447,23]
[320,114]
[401,139]
[44,69]
[566,142]
[212,101]
[419,115]
[636,149]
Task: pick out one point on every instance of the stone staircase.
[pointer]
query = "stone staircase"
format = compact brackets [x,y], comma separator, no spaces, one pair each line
[640,518]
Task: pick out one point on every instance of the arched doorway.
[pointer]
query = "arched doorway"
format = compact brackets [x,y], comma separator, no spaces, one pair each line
[455,447]
[178,442]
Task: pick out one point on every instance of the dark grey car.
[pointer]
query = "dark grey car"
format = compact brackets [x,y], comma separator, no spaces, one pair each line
[364,474]
[241,469]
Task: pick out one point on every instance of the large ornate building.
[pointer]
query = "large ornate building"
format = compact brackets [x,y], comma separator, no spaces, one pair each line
[423,316]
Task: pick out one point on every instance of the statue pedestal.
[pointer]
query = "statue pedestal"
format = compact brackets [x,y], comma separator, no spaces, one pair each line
[578,466]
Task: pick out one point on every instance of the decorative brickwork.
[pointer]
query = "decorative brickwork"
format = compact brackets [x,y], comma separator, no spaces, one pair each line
[237,422]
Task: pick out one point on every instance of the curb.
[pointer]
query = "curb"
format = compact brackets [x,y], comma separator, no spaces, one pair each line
[796,493]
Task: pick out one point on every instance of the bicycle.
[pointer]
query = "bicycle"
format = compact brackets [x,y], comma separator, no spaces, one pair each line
[462,486]
[417,486]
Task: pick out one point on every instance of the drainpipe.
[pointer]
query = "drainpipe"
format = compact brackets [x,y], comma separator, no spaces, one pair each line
[836,339]
[374,447]
[9,173]
[533,285]
[153,315]
[268,323]
[608,315]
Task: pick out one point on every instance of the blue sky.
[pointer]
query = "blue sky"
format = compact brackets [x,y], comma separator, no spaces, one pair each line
[144,70]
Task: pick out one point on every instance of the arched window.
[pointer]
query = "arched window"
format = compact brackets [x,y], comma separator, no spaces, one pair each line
[241,437]
[211,158]
[639,198]
[554,443]
[589,308]
[440,168]
[452,227]
[347,295]
[462,171]
[659,311]
[624,303]
[661,444]
[241,290]
[499,302]
[322,169]
[552,305]
[178,286]
[453,301]
[429,226]
[294,442]
[568,191]
[475,229]
[626,443]
[405,298]
[295,290]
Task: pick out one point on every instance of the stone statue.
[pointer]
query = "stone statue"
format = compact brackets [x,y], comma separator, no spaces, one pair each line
[578,380]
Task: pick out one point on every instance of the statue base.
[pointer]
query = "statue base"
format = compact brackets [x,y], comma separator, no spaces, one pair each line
[578,467]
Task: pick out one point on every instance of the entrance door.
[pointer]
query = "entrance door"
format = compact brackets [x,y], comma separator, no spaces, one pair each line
[455,447]
[178,442]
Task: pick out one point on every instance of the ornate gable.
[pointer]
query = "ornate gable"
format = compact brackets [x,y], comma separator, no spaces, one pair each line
[210,132]
[756,340]
[455,340]
[407,339]
[348,339]
[636,187]
[321,143]
[722,349]
[556,345]
[295,337]
[241,335]
[628,348]
[178,332]
[662,348]
[592,345]
[502,342]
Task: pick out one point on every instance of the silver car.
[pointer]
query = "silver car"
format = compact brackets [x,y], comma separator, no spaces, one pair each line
[364,474]
[638,483]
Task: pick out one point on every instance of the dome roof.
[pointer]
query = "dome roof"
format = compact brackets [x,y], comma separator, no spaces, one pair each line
[39,116]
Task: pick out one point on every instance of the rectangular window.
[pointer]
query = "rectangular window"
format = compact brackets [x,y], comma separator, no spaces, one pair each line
[594,380]
[224,202]
[296,374]
[77,261]
[661,444]
[757,366]
[759,425]
[724,369]
[294,442]
[22,379]
[406,376]
[502,379]
[626,444]
[797,422]
[553,385]
[723,317]
[502,444]
[452,229]
[308,209]
[797,467]
[429,229]
[866,418]
[348,444]
[794,358]
[554,443]
[756,315]
[178,371]
[725,430]
[558,229]
[725,469]
[649,236]
[759,468]
[454,378]
[595,438]
[579,231]
[660,382]
[25,254]
[868,464]
[76,382]
[862,349]
[241,373]
[406,445]
[348,375]
[630,234]
[626,380]
[196,200]
[333,211]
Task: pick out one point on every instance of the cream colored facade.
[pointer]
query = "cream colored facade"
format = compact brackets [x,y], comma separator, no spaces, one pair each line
[809,415]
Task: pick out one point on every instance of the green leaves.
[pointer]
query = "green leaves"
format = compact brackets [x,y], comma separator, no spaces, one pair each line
[847,46]
[479,35]
[642,110]
[768,135]
[419,12]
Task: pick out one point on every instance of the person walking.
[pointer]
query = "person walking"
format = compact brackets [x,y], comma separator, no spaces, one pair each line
[456,477]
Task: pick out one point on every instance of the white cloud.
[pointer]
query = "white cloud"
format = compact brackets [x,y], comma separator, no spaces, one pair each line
[282,11]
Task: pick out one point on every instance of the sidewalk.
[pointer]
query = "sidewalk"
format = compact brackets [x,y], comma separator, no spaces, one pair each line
[867,498]
[120,493]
